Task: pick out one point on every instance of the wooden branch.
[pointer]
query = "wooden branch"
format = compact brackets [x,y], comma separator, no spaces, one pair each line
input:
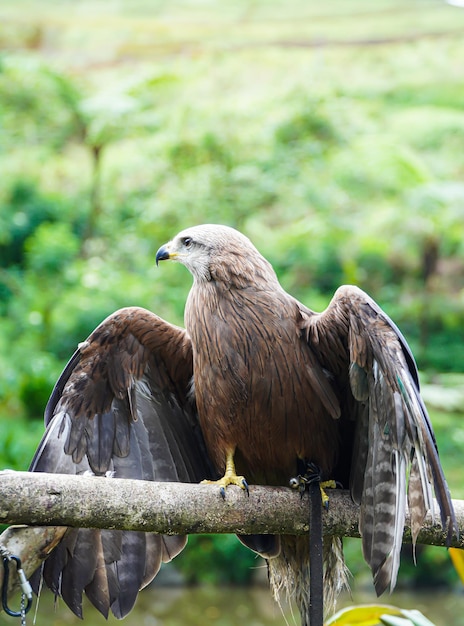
[49,503]
[180,508]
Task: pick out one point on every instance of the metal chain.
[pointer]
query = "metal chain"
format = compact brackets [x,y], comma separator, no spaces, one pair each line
[23,609]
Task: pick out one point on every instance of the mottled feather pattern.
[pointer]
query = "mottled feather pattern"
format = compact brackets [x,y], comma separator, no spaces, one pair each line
[399,429]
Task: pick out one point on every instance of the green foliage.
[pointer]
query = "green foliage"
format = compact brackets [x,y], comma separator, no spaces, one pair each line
[217,559]
[209,149]
[23,210]
[18,441]
[435,568]
[343,164]
[310,124]
[51,247]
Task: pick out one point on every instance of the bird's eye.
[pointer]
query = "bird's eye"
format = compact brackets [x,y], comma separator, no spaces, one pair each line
[187,242]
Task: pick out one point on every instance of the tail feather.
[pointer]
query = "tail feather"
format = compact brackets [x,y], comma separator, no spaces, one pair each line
[289,573]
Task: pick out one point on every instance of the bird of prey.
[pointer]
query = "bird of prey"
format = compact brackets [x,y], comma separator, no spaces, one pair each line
[257,387]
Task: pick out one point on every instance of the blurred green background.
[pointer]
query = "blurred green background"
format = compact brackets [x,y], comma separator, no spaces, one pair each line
[331,133]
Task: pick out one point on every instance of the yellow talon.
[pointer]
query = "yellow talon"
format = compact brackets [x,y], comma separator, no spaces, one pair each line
[328,484]
[301,482]
[230,477]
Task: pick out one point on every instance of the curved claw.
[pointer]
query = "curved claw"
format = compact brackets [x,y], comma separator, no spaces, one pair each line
[328,484]
[227,480]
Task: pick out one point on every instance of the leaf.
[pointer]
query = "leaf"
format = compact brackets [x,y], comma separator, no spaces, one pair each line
[376,615]
[410,618]
[395,621]
[366,615]
[457,557]
[416,617]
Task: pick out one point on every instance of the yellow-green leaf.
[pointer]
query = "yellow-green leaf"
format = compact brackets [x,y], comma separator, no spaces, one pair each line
[457,556]
[366,615]
[378,615]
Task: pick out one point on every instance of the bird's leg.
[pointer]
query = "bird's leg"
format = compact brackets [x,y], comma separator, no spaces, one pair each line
[313,475]
[230,476]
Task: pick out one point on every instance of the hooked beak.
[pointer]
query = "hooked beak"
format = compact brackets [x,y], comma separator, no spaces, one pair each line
[163,254]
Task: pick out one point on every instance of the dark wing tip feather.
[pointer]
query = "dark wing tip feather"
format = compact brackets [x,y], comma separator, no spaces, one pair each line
[382,577]
[268,546]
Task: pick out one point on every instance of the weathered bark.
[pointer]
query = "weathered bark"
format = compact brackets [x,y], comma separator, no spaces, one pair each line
[179,508]
[48,503]
[32,544]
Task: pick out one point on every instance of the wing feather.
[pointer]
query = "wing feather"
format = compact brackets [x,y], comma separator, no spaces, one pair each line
[121,407]
[395,453]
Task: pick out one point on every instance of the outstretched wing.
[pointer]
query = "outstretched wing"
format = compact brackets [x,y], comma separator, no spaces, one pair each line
[394,450]
[121,407]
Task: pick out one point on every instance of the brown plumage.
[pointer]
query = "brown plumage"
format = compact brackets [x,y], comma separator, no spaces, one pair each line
[256,379]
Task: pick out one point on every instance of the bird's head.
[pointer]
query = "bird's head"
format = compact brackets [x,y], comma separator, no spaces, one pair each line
[214,252]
